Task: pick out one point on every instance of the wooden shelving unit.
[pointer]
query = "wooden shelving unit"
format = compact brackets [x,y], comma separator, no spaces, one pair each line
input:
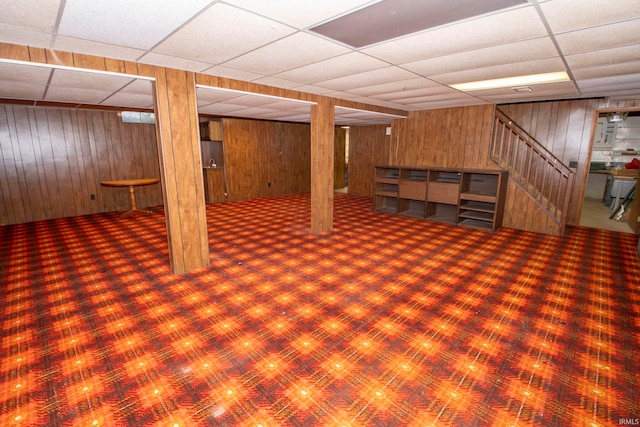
[213,164]
[473,198]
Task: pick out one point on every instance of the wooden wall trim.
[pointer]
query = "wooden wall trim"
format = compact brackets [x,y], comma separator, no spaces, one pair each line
[181,171]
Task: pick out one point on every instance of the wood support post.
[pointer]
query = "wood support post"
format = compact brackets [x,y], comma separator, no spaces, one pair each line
[322,152]
[181,169]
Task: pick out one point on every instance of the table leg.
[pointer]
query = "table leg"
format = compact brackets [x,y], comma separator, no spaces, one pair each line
[134,208]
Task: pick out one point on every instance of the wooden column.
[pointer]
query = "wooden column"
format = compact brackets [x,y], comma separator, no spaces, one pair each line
[181,169]
[322,130]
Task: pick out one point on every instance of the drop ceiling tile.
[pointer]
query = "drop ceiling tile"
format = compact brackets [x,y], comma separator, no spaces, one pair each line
[72,44]
[204,39]
[317,90]
[291,52]
[139,87]
[509,70]
[174,62]
[231,73]
[87,80]
[445,96]
[24,36]
[206,95]
[26,73]
[520,51]
[288,106]
[298,13]
[500,28]
[37,15]
[76,95]
[599,38]
[338,66]
[608,71]
[449,103]
[416,83]
[277,82]
[221,109]
[376,77]
[129,100]
[566,15]
[118,22]
[618,55]
[253,101]
[603,85]
[18,90]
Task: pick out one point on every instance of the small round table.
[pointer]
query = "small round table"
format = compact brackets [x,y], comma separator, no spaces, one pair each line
[132,183]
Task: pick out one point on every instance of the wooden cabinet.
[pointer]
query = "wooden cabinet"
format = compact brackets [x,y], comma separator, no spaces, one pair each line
[213,161]
[474,198]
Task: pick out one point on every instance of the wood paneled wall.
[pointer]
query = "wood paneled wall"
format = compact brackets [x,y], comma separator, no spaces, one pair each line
[368,146]
[565,128]
[339,161]
[264,158]
[53,159]
[449,137]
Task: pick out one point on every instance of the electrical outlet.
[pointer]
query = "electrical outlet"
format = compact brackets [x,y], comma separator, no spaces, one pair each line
[573,164]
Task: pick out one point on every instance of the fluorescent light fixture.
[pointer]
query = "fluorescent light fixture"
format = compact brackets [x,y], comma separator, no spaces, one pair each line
[517,81]
[68,68]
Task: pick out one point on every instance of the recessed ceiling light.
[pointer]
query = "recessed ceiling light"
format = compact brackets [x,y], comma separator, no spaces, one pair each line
[517,81]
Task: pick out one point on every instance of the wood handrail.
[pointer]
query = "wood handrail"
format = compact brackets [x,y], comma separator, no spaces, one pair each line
[542,175]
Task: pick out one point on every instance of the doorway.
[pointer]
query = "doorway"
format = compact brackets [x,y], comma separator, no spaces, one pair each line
[610,185]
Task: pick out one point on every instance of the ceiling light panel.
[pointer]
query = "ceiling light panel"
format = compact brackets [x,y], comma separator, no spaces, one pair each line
[539,66]
[523,80]
[496,29]
[118,21]
[390,19]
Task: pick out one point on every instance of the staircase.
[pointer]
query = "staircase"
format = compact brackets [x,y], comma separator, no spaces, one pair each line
[532,167]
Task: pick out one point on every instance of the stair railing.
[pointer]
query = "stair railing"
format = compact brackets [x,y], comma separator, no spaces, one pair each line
[532,167]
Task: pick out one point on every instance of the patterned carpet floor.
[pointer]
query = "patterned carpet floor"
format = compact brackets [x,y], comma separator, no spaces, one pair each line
[384,321]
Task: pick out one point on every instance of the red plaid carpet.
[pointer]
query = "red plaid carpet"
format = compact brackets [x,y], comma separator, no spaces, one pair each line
[386,321]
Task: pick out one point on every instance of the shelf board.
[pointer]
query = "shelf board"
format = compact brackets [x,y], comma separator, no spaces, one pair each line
[387,193]
[481,216]
[478,197]
[481,225]
[478,206]
[386,180]
[412,213]
[387,209]
[442,218]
